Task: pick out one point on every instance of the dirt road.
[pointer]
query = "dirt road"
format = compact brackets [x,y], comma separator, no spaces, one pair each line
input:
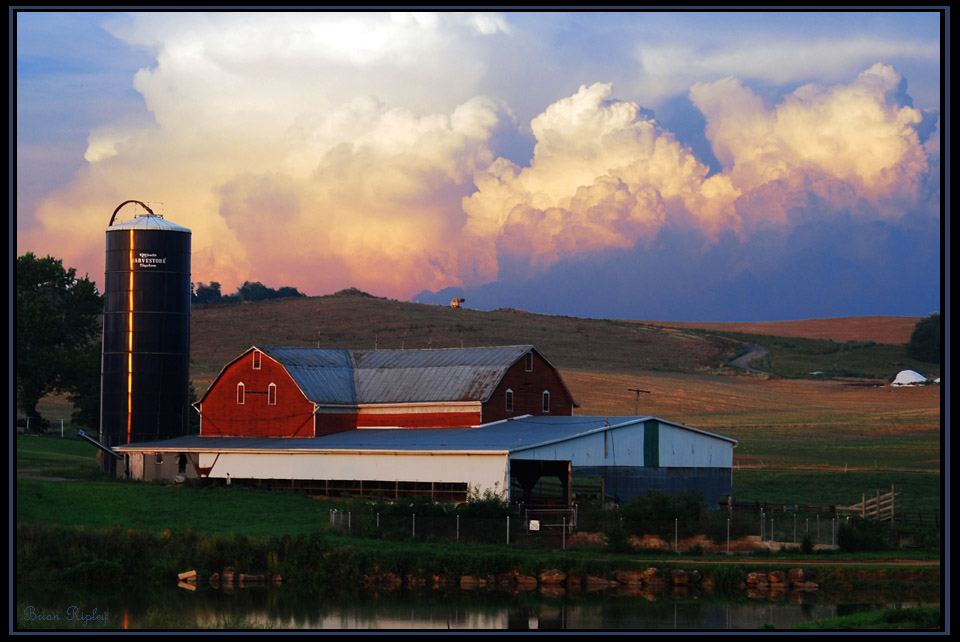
[753,353]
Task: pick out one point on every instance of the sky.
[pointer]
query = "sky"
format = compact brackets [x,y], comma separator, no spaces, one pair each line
[684,166]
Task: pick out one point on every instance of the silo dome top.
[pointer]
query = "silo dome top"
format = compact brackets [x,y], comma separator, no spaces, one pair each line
[149,222]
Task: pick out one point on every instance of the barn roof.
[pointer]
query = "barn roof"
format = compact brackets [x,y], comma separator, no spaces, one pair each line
[464,374]
[352,377]
[324,375]
[507,436]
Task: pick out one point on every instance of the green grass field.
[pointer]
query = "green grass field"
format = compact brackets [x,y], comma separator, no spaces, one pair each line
[63,486]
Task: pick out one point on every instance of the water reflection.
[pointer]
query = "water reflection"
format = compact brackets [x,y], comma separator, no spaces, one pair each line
[298,607]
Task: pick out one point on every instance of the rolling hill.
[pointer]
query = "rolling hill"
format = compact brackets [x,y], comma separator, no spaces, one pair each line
[219,332]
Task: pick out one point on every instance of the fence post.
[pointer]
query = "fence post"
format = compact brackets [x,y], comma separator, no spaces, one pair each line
[458,529]
[893,501]
[349,523]
[414,516]
[676,535]
[563,535]
[508,529]
[728,536]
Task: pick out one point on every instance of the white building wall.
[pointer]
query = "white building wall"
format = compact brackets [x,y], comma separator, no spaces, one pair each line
[615,447]
[483,472]
[686,448]
[623,446]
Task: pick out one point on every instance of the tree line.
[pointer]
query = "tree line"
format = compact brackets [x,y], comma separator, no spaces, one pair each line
[250,291]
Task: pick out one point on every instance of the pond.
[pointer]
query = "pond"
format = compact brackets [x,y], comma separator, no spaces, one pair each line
[294,607]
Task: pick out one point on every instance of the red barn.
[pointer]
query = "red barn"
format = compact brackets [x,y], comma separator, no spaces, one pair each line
[310,392]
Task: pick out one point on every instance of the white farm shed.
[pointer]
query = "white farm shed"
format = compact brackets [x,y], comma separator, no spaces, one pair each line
[632,455]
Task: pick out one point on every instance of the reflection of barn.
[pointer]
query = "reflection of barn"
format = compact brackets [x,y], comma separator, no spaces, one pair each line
[439,423]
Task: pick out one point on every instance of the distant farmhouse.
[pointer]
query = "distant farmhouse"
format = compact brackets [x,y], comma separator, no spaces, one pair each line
[439,423]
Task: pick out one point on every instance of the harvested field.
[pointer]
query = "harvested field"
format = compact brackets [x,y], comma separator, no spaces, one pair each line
[895,330]
[784,423]
[709,400]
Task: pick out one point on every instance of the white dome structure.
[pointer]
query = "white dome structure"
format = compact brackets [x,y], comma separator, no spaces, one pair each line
[909,378]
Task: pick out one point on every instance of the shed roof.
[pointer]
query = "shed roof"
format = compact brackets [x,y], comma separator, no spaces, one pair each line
[506,436]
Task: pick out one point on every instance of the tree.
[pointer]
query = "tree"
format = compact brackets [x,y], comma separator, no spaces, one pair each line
[926,339]
[209,293]
[58,333]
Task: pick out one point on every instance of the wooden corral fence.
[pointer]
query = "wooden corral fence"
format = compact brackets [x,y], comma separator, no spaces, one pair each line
[884,507]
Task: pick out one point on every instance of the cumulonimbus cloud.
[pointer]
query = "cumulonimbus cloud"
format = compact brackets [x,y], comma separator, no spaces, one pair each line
[256,149]
[603,175]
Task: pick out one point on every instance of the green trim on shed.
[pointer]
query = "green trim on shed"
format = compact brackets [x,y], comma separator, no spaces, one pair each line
[651,443]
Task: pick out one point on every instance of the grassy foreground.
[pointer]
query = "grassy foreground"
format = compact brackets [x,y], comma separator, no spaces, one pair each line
[907,619]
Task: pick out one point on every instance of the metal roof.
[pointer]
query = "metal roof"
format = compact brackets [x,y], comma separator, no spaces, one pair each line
[508,436]
[324,375]
[464,374]
[334,377]
[148,222]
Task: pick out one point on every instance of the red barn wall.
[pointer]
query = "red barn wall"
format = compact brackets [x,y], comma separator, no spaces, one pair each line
[528,390]
[420,417]
[222,416]
[330,422]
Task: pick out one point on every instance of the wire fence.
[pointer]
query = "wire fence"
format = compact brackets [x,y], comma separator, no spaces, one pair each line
[561,528]
[455,528]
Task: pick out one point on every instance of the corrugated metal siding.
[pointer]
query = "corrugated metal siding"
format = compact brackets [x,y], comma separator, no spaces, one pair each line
[680,448]
[488,472]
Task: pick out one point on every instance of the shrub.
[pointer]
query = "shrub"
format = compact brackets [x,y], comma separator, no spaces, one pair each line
[863,535]
[658,513]
[94,572]
[727,578]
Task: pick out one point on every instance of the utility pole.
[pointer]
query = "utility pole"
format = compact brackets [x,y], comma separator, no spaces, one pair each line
[636,410]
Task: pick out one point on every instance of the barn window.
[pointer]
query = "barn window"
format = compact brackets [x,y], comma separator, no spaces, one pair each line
[546,401]
[509,399]
[256,359]
[272,394]
[529,363]
[159,459]
[240,394]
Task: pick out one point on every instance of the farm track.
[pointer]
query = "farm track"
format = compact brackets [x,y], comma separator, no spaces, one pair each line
[753,353]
